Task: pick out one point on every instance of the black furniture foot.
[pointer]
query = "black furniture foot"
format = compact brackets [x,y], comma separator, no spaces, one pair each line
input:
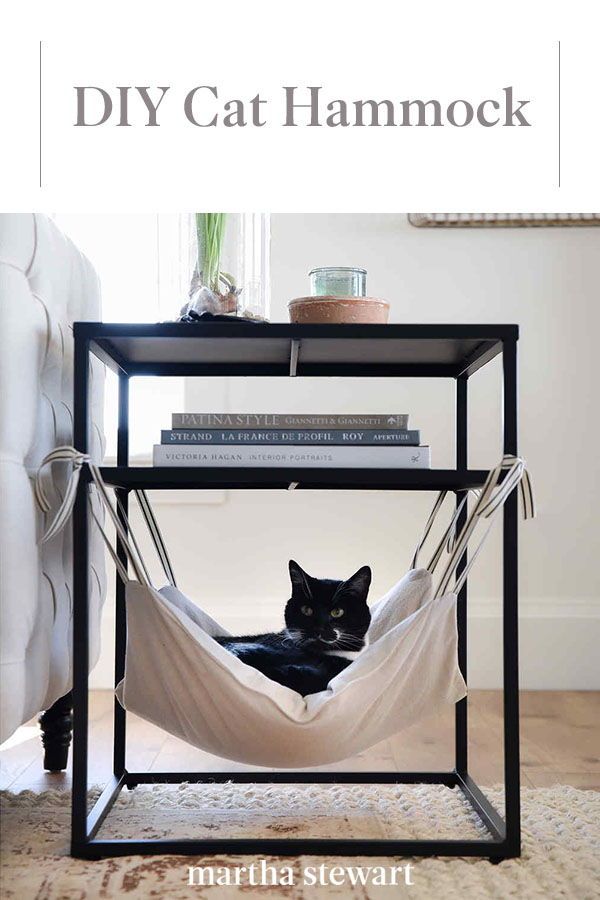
[56,724]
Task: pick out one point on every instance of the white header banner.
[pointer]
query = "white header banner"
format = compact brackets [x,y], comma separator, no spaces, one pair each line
[321,106]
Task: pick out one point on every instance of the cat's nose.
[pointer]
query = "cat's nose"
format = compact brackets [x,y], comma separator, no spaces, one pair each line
[328,635]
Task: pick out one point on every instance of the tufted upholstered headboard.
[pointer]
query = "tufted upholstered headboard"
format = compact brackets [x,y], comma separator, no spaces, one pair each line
[45,284]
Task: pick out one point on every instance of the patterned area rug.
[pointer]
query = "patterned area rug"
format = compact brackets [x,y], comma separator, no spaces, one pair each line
[561,844]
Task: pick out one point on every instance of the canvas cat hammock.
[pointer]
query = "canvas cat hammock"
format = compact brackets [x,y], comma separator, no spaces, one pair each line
[179,678]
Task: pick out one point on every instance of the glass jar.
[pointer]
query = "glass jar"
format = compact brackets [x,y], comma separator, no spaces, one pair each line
[229,265]
[338,281]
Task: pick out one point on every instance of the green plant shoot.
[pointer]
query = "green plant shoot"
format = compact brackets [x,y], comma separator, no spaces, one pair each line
[210,233]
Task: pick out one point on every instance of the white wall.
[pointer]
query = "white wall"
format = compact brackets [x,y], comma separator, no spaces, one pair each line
[233,556]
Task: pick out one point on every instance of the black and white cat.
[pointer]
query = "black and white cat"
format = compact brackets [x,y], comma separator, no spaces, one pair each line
[326,625]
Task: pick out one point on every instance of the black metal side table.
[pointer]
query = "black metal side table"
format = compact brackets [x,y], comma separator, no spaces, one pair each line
[238,349]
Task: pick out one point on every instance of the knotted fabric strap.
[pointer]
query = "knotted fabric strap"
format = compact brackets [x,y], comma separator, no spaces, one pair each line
[78,460]
[118,515]
[489,503]
[59,454]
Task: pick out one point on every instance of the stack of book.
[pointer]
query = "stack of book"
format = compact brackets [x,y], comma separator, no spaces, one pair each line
[309,441]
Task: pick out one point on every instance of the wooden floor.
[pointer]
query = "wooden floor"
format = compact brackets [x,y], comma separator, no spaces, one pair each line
[560,742]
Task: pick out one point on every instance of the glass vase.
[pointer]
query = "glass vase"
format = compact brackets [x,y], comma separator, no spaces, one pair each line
[229,265]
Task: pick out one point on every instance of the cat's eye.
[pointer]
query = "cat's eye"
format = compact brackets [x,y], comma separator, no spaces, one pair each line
[337,613]
[306,610]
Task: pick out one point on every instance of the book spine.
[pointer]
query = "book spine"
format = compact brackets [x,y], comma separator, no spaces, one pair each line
[288,420]
[269,456]
[313,436]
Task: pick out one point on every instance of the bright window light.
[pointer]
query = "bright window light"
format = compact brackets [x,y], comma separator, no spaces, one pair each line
[143,264]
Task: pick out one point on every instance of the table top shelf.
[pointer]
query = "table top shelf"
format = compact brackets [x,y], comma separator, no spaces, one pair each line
[243,348]
[172,478]
[250,349]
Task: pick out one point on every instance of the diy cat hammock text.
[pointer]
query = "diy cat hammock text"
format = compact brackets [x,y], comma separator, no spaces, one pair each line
[204,106]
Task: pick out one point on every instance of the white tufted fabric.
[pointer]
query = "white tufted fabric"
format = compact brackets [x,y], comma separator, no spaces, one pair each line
[46,283]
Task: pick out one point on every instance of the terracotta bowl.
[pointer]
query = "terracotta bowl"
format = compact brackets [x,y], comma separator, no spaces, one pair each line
[339,310]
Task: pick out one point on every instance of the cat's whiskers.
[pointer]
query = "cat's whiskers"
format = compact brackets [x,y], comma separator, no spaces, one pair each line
[348,641]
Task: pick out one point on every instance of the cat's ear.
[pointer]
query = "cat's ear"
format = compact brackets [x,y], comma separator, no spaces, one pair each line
[299,577]
[357,586]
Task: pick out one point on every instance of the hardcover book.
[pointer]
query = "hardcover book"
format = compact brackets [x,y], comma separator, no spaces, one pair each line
[269,456]
[286,420]
[334,436]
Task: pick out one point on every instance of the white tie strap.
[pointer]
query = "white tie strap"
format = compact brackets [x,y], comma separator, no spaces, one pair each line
[59,454]
[448,539]
[118,516]
[78,460]
[489,503]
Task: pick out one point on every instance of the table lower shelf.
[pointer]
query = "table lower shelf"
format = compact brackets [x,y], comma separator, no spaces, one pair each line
[171,478]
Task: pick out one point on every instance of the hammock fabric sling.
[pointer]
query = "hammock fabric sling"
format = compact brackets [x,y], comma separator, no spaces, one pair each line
[179,678]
